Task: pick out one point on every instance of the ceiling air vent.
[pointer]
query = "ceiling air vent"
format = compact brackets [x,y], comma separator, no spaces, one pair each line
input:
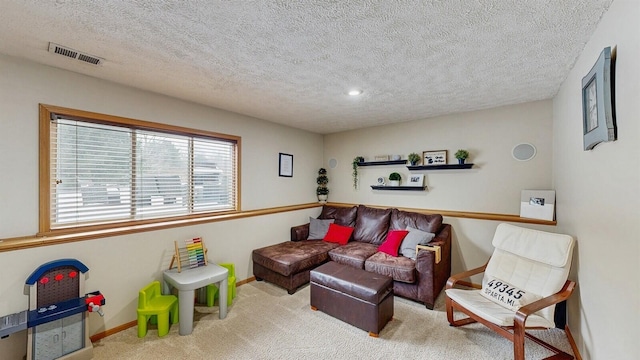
[74,54]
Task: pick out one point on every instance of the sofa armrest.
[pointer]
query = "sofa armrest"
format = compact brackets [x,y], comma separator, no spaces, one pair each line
[435,248]
[433,275]
[426,257]
[300,232]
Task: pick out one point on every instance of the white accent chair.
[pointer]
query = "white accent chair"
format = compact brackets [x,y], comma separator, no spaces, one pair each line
[525,262]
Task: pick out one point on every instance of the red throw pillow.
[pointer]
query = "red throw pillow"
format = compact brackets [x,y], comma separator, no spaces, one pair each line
[338,234]
[392,243]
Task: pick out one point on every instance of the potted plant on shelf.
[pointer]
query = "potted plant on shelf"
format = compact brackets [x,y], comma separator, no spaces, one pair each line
[413,159]
[461,155]
[322,191]
[394,179]
[357,160]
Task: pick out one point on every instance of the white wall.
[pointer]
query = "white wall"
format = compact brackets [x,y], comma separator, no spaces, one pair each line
[120,266]
[493,185]
[24,85]
[599,196]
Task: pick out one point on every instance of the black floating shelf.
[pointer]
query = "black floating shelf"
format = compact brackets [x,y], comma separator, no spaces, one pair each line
[413,188]
[441,167]
[388,162]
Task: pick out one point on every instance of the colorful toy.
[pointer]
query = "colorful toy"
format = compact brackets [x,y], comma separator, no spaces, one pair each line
[191,255]
[57,317]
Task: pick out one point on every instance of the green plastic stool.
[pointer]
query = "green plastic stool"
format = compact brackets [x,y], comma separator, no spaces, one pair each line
[156,308]
[212,290]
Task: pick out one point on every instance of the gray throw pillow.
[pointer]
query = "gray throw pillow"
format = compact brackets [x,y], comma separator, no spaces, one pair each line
[413,238]
[318,228]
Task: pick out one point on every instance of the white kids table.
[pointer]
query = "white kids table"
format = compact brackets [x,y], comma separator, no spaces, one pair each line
[190,279]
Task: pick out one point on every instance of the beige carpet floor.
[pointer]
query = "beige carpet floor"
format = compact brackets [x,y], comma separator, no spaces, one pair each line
[265,322]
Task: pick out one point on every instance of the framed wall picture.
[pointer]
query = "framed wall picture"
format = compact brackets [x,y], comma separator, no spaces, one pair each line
[438,157]
[598,110]
[416,180]
[286,165]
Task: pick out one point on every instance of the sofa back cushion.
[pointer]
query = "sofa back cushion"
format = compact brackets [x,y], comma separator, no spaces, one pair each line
[345,216]
[401,219]
[372,225]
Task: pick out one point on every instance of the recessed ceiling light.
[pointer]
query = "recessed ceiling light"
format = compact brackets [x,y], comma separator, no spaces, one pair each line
[355,92]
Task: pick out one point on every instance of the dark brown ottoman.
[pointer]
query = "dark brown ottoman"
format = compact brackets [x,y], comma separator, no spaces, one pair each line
[355,296]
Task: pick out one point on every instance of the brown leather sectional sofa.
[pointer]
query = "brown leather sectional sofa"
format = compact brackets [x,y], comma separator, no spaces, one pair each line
[288,264]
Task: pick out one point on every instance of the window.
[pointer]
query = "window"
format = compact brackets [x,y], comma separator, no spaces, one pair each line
[106,171]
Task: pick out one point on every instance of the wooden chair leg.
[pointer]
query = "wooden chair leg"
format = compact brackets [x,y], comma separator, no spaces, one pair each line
[449,305]
[450,318]
[518,343]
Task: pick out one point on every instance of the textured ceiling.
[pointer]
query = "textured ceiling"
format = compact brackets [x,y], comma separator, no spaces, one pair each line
[292,62]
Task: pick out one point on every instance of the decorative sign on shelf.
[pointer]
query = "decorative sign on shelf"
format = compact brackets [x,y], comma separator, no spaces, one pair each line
[431,158]
[538,204]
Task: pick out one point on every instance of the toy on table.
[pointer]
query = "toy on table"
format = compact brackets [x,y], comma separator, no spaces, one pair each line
[192,254]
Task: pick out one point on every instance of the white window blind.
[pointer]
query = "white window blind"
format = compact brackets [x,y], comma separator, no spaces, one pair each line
[110,173]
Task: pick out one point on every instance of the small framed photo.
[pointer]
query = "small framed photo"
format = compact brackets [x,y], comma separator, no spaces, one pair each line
[430,158]
[416,180]
[286,165]
[598,110]
[381,158]
[536,201]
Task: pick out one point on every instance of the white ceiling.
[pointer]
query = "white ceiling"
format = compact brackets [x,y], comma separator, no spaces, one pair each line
[292,62]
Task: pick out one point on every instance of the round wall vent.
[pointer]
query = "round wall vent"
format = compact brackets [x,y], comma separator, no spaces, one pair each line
[523,152]
[333,163]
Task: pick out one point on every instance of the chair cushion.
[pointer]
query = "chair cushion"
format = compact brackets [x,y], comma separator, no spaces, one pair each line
[399,268]
[531,260]
[353,254]
[545,247]
[489,310]
[507,295]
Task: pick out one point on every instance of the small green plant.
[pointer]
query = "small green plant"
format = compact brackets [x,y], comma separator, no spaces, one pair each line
[394,176]
[322,181]
[357,160]
[322,178]
[413,158]
[462,154]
